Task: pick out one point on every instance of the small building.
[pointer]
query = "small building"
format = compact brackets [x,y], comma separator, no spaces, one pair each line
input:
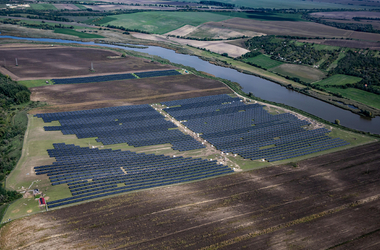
[41,201]
[36,192]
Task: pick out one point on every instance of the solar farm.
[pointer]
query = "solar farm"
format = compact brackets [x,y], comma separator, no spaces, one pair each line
[115,77]
[249,130]
[138,125]
[114,171]
[225,123]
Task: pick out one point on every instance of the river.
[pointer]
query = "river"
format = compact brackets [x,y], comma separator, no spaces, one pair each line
[259,87]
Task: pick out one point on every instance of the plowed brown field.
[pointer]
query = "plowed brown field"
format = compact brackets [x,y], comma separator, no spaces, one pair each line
[59,61]
[331,201]
[69,97]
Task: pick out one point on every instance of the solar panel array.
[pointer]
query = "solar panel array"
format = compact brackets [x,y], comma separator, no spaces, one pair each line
[115,77]
[94,173]
[157,73]
[138,125]
[249,130]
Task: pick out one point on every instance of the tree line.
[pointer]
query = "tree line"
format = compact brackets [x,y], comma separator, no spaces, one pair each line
[11,94]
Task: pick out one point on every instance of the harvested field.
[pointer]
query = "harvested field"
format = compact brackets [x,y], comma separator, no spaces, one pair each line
[306,29]
[345,43]
[210,31]
[126,92]
[324,202]
[183,31]
[59,61]
[346,14]
[219,47]
[66,7]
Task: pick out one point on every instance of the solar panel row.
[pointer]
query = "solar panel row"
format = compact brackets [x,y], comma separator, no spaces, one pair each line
[138,125]
[115,77]
[92,173]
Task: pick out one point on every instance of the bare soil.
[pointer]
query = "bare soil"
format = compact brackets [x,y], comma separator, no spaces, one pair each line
[59,61]
[69,97]
[324,202]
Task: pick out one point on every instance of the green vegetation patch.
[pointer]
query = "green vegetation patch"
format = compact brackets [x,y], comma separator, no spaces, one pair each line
[35,83]
[161,22]
[100,20]
[42,6]
[339,79]
[304,73]
[76,33]
[80,6]
[263,61]
[359,95]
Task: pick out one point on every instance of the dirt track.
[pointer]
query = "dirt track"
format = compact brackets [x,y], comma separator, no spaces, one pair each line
[317,204]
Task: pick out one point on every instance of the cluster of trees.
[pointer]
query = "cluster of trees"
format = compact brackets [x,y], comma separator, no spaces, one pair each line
[287,50]
[216,3]
[333,55]
[364,66]
[11,94]
[127,29]
[42,25]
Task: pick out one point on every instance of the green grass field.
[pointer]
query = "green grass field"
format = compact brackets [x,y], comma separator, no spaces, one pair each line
[80,6]
[76,33]
[35,83]
[161,22]
[359,95]
[102,21]
[42,6]
[264,61]
[304,73]
[339,80]
[335,63]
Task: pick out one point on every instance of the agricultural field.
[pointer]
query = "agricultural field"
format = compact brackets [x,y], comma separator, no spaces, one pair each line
[300,205]
[297,4]
[265,16]
[43,6]
[67,7]
[65,97]
[287,28]
[44,62]
[339,80]
[304,73]
[77,33]
[163,22]
[346,14]
[333,43]
[263,61]
[359,95]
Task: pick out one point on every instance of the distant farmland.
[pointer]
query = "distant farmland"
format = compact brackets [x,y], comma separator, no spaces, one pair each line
[162,22]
